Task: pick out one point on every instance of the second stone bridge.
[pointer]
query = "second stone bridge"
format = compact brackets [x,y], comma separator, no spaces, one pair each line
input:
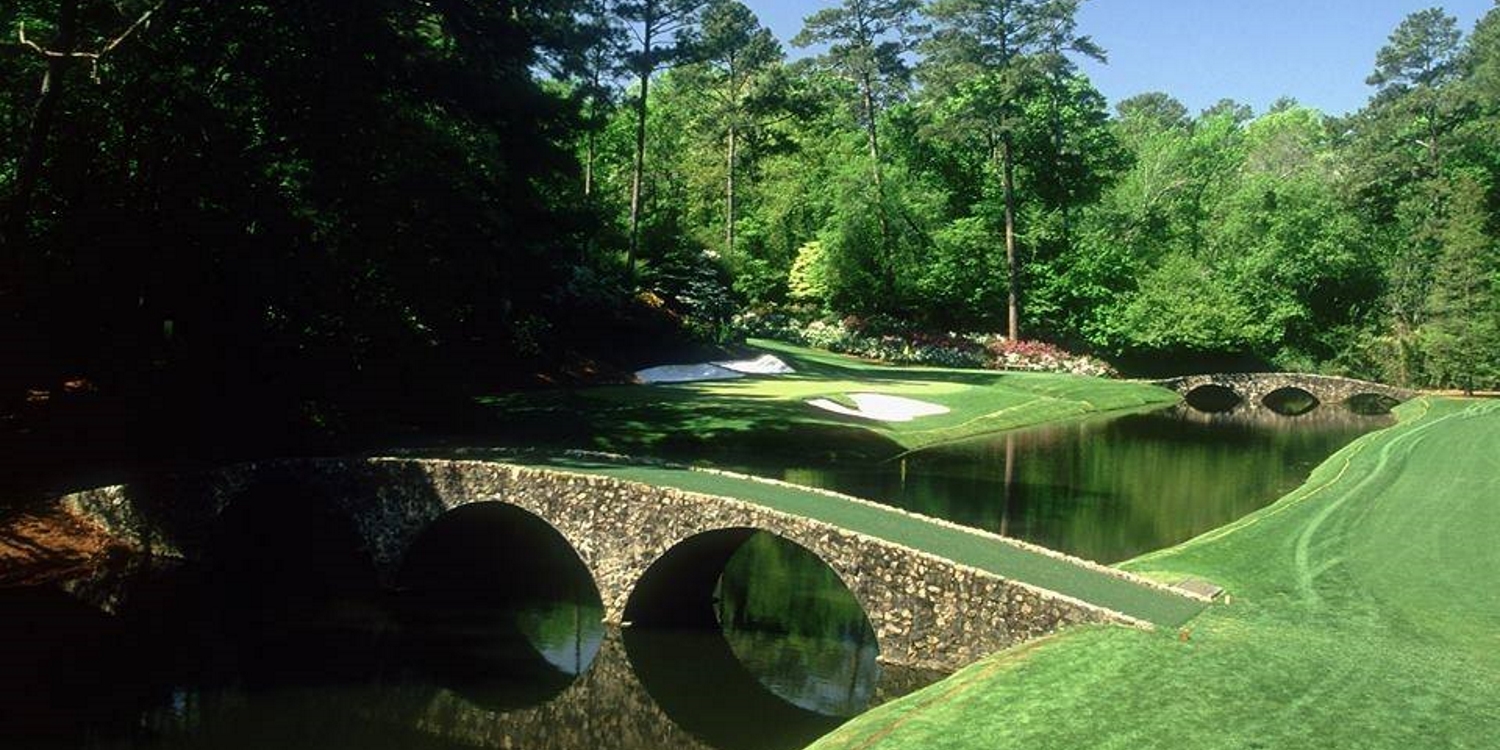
[1259,390]
[656,540]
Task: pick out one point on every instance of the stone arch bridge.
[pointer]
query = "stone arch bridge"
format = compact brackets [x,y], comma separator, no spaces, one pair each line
[1255,389]
[655,552]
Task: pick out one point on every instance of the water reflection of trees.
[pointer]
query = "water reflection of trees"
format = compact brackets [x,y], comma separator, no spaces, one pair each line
[793,623]
[1110,488]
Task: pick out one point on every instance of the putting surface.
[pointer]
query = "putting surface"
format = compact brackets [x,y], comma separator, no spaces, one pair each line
[964,546]
[772,414]
[1364,614]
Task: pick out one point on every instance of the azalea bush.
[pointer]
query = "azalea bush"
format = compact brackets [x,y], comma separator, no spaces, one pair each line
[888,341]
[1038,356]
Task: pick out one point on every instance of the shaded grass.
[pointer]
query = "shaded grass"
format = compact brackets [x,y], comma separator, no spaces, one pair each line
[966,547]
[1364,615]
[770,414]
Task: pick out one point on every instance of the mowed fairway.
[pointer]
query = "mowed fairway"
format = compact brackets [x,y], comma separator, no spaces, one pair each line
[771,413]
[1365,613]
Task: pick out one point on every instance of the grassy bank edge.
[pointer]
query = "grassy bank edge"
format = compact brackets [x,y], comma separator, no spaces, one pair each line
[937,709]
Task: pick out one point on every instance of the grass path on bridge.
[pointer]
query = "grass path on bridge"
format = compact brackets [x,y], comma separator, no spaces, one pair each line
[1365,614]
[770,414]
[965,546]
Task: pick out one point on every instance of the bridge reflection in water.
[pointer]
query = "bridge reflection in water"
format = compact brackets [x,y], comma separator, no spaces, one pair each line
[472,651]
[695,700]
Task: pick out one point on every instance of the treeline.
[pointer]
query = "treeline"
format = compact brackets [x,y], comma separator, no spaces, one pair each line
[946,164]
[336,199]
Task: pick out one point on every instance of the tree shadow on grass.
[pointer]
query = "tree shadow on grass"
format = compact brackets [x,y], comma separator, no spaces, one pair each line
[681,423]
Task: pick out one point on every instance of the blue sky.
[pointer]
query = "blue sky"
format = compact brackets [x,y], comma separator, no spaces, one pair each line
[1254,51]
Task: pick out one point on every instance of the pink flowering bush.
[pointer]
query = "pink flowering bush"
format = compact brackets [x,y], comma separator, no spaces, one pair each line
[884,340]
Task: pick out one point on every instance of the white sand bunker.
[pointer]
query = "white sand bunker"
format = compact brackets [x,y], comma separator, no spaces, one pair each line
[881,408]
[766,364]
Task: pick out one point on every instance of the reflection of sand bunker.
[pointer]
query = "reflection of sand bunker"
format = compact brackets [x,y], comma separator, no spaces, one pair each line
[763,365]
[881,408]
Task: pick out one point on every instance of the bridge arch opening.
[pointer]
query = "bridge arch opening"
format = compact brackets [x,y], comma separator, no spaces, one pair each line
[286,546]
[749,603]
[1291,401]
[1370,404]
[497,606]
[1213,398]
[283,585]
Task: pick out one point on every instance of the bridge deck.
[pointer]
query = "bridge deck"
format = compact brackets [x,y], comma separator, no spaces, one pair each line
[968,547]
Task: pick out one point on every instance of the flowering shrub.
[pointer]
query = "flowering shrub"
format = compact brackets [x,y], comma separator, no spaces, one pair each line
[778,326]
[1037,356]
[884,340]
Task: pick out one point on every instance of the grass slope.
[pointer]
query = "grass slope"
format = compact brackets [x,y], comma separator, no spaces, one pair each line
[967,547]
[771,413]
[1365,614]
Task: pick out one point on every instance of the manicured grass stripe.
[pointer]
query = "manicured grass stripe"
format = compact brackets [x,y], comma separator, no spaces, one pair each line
[953,543]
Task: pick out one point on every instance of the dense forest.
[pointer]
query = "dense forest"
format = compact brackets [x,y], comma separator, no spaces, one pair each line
[291,207]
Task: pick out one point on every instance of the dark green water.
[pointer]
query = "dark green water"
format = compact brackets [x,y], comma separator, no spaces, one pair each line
[1107,489]
[283,640]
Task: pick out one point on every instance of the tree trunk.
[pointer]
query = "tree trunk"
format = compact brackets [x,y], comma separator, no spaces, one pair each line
[1434,154]
[1012,262]
[729,207]
[588,165]
[638,170]
[591,147]
[872,135]
[43,113]
[1059,137]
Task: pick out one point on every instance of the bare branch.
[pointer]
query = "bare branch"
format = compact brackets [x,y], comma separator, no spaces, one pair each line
[92,57]
[139,22]
[21,36]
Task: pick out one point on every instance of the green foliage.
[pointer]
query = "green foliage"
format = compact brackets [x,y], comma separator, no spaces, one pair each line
[1482,61]
[1461,340]
[876,240]
[1157,110]
[1423,51]
[809,278]
[962,277]
[1183,307]
[865,41]
[1240,113]
[859,263]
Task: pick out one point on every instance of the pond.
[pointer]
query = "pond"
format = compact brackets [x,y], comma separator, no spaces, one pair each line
[493,638]
[1106,489]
